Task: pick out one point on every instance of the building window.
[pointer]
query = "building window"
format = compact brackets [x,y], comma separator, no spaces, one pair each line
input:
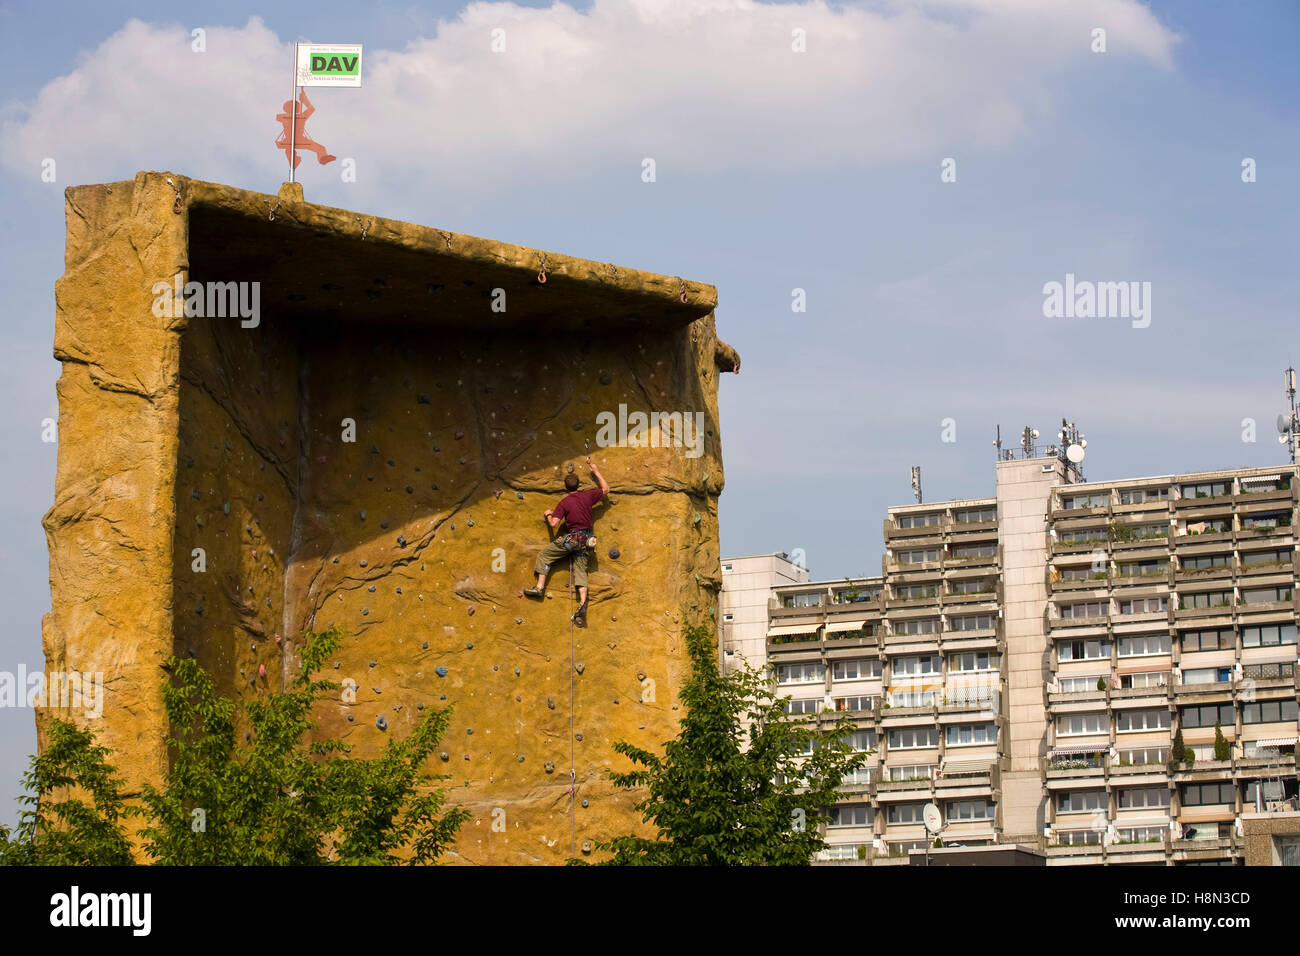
[976,586]
[849,815]
[1269,711]
[974,661]
[1145,679]
[913,738]
[1090,650]
[1073,685]
[812,705]
[1265,595]
[920,771]
[907,591]
[1264,671]
[1146,605]
[1133,569]
[960,551]
[1079,838]
[1142,797]
[805,673]
[1143,756]
[915,666]
[1080,801]
[1074,725]
[1206,599]
[960,735]
[1135,496]
[1081,535]
[1142,719]
[1280,556]
[1271,519]
[1083,572]
[1207,489]
[863,702]
[1214,639]
[1074,502]
[1268,635]
[925,625]
[973,622]
[919,521]
[918,556]
[1206,715]
[960,811]
[1085,609]
[973,515]
[1144,645]
[913,698]
[862,740]
[1141,834]
[1207,675]
[1208,794]
[905,812]
[1200,562]
[855,670]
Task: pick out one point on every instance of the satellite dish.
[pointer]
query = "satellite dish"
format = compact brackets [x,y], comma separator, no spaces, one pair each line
[1074,453]
[1283,424]
[932,817]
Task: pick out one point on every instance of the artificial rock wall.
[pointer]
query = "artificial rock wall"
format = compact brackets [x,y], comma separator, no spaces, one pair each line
[374,451]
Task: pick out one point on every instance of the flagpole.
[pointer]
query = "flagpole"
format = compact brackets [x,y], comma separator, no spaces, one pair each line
[293,112]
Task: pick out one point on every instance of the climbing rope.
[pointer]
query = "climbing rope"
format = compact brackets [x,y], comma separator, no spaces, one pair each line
[573,775]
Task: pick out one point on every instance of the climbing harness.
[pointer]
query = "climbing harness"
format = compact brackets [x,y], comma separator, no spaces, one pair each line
[576,541]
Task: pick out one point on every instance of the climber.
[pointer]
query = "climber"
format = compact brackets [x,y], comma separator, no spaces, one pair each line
[574,510]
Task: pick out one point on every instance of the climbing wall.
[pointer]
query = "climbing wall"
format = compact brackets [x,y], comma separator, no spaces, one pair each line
[375,453]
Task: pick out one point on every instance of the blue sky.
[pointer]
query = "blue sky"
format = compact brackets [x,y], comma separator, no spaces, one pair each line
[776,171]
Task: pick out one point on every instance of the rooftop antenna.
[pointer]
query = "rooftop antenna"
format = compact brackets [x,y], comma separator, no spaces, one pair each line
[1027,438]
[916,482]
[1289,427]
[997,442]
[1071,452]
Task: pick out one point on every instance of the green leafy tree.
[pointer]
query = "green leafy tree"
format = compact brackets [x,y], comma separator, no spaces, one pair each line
[737,786]
[75,806]
[271,800]
[1222,749]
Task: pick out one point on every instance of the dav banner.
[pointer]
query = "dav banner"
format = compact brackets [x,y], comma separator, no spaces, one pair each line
[322,64]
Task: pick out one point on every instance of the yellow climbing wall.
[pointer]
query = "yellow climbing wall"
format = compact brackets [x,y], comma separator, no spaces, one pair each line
[375,452]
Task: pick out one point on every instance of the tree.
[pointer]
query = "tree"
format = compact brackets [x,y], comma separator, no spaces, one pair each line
[1101,683]
[1222,749]
[1178,753]
[742,783]
[60,828]
[276,801]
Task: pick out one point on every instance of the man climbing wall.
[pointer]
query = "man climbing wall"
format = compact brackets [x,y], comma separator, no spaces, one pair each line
[577,541]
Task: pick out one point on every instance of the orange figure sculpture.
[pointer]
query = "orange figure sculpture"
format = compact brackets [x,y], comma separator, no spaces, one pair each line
[300,139]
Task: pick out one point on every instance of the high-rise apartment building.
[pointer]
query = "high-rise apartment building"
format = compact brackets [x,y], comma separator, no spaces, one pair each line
[1031,661]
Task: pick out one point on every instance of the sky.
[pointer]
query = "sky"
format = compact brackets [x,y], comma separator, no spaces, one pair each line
[914,176]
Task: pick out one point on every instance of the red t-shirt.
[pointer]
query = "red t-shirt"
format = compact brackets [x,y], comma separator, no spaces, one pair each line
[575,509]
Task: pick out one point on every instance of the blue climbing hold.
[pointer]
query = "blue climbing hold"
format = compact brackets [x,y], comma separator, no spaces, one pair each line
[613,553]
[440,670]
[381,723]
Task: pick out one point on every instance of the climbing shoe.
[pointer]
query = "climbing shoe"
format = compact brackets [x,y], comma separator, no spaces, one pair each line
[534,593]
[580,615]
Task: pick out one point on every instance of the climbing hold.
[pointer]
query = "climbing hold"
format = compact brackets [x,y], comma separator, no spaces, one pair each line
[364,562]
[471,610]
[497,493]
[277,638]
[469,646]
[195,493]
[336,559]
[519,620]
[469,730]
[586,846]
[371,589]
[381,723]
[199,610]
[401,541]
[580,667]
[516,671]
[616,700]
[519,495]
[520,758]
[577,736]
[336,665]
[253,647]
[420,706]
[373,663]
[442,696]
[444,756]
[548,767]
[399,590]
[424,398]
[261,670]
[436,448]
[579,425]
[424,646]
[467,782]
[459,434]
[640,675]
[226,507]
[495,667]
[518,699]
[376,690]
[410,490]
[439,670]
[365,612]
[350,718]
[697,517]
[614,553]
[470,522]
[383,525]
[584,804]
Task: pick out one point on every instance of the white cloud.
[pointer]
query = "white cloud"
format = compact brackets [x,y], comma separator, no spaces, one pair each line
[697,84]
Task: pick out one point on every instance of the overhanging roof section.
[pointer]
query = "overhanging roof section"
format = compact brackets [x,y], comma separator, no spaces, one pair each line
[323,263]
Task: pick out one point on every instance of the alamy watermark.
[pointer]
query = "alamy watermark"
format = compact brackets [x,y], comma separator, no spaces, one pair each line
[1098,300]
[220,300]
[651,430]
[62,690]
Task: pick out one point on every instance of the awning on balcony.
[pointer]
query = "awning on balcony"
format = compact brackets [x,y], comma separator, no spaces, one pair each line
[1254,480]
[1073,750]
[1271,742]
[781,630]
[1123,822]
[959,767]
[1147,668]
[835,627]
